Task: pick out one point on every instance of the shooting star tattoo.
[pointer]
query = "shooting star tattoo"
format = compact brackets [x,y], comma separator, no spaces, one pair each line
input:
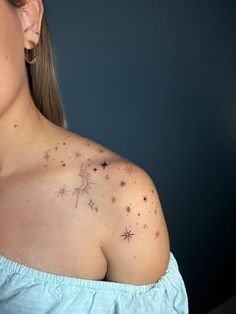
[85,184]
[127,234]
[105,164]
[63,191]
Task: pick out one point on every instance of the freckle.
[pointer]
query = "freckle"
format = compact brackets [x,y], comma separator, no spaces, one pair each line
[56,148]
[134,256]
[134,181]
[149,211]
[15,126]
[128,209]
[63,165]
[45,165]
[62,161]
[113,199]
[136,223]
[64,143]
[138,214]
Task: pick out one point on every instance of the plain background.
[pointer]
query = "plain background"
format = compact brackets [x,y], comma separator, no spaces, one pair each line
[155,82]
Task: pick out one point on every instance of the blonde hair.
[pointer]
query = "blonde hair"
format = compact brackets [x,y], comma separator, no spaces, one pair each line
[42,76]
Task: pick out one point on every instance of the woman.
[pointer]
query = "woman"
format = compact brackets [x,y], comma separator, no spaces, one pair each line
[82,229]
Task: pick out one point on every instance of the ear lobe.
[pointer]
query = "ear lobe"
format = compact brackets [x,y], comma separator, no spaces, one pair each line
[30,16]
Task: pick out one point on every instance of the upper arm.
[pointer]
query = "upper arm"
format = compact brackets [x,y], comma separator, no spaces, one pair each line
[136,246]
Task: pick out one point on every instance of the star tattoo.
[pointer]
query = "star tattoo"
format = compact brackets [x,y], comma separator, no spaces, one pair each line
[105,164]
[130,170]
[127,234]
[63,191]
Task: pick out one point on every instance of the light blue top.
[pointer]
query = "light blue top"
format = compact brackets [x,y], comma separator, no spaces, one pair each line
[25,290]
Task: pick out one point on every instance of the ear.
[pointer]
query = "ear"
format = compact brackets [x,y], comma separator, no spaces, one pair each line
[30,15]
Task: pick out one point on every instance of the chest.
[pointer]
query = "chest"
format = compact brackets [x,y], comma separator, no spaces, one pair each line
[38,232]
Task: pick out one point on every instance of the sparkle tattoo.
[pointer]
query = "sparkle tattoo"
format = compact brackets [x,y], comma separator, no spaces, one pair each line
[62,192]
[130,170]
[76,155]
[46,156]
[85,184]
[127,234]
[104,164]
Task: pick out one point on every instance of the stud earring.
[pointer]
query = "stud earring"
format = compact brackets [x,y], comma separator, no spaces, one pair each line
[32,54]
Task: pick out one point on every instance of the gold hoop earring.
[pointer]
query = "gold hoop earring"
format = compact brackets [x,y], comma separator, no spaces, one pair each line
[32,54]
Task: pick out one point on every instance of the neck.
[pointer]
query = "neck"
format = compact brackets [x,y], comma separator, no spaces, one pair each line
[21,131]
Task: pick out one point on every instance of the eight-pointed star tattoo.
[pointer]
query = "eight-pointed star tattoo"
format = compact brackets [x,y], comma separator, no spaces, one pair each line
[127,234]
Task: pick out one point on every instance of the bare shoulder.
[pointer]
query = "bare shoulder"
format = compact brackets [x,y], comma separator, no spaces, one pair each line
[136,241]
[129,215]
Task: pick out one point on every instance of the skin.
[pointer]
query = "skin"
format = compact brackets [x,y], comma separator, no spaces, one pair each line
[77,197]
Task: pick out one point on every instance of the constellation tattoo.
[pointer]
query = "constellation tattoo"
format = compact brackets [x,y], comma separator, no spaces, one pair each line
[130,170]
[104,164]
[85,185]
[62,192]
[127,234]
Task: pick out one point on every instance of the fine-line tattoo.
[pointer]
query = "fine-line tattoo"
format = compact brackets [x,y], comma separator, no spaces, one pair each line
[127,234]
[85,185]
[62,192]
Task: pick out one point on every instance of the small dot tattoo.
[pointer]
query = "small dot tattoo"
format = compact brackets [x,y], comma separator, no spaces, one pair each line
[128,209]
[157,234]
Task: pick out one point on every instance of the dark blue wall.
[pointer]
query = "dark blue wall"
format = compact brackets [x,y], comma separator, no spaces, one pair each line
[155,81]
